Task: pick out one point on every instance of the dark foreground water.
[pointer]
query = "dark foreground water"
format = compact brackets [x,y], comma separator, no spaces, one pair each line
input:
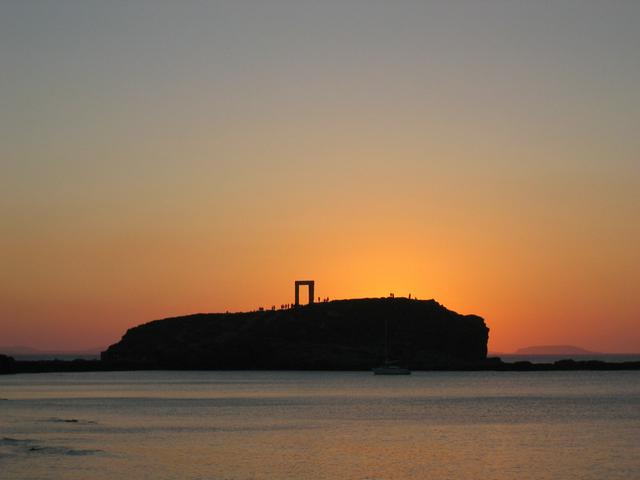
[315,425]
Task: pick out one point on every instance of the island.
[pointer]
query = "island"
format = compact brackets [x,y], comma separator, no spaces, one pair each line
[335,335]
[355,334]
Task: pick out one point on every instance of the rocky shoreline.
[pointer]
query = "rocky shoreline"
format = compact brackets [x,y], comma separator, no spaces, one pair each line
[491,364]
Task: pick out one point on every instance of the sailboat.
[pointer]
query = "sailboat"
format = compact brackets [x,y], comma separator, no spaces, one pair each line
[389,367]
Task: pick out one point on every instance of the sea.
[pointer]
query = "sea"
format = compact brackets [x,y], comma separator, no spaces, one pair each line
[320,425]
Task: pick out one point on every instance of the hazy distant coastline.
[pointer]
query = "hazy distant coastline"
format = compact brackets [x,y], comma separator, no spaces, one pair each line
[553,353]
[21,352]
[555,350]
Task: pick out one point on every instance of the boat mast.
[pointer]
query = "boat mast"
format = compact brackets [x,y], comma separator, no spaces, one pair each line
[386,341]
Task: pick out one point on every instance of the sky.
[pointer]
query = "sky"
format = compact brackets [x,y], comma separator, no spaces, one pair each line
[165,158]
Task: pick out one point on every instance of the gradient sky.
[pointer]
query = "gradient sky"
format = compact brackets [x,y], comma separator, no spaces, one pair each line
[163,158]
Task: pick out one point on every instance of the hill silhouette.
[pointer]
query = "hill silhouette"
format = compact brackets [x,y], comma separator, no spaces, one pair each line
[341,334]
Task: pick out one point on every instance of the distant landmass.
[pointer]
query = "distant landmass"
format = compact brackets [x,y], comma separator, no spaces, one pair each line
[336,335]
[18,350]
[25,351]
[554,350]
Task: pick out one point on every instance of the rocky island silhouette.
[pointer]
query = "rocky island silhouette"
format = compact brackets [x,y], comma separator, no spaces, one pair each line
[335,335]
[353,334]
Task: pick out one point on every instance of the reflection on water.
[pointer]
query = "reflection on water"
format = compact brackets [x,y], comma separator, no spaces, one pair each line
[320,425]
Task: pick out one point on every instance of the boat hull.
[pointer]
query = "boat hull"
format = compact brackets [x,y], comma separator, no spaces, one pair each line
[391,371]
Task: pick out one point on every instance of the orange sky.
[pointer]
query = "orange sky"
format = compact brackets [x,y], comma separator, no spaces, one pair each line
[160,161]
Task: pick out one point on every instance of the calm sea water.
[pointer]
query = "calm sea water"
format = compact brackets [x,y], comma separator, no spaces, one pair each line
[320,425]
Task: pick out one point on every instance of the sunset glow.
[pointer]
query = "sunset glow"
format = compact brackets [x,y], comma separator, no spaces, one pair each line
[493,166]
